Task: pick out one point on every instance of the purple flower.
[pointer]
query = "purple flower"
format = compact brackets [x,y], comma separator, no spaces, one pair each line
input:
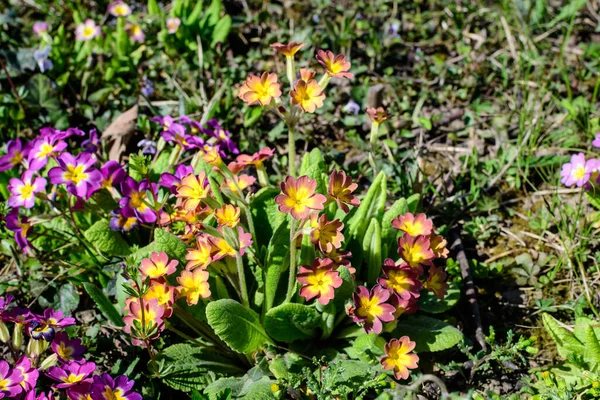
[28,373]
[23,190]
[112,174]
[5,302]
[40,27]
[18,315]
[171,181]
[215,130]
[62,135]
[54,318]
[92,144]
[71,373]
[67,349]
[20,227]
[147,86]
[176,134]
[596,141]
[136,33]
[148,146]
[42,149]
[135,198]
[15,153]
[10,380]
[123,220]
[32,395]
[578,171]
[166,122]
[77,173]
[80,391]
[351,107]
[104,387]
[43,60]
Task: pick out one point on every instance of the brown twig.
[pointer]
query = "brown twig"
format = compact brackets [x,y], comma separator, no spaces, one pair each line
[465,271]
[12,86]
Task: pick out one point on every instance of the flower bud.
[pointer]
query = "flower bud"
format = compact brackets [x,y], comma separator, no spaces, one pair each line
[48,362]
[4,334]
[17,338]
[36,347]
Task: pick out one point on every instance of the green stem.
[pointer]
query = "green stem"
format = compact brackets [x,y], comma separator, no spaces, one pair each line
[242,277]
[292,278]
[292,150]
[291,74]
[373,141]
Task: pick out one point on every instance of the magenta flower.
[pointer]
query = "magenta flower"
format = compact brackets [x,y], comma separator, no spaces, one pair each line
[20,226]
[123,219]
[67,349]
[167,123]
[80,391]
[77,173]
[23,190]
[10,380]
[71,373]
[15,153]
[17,315]
[135,33]
[87,30]
[32,395]
[135,199]
[176,134]
[28,373]
[55,319]
[104,387]
[112,174]
[172,181]
[371,309]
[401,279]
[596,141]
[42,149]
[5,302]
[578,171]
[215,130]
[40,27]
[92,143]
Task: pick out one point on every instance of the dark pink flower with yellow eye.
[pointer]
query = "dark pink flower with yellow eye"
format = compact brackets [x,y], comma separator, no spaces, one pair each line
[71,374]
[67,349]
[413,225]
[327,235]
[402,279]
[23,190]
[260,90]
[307,95]
[415,251]
[29,374]
[371,308]
[10,380]
[404,306]
[438,246]
[341,259]
[104,387]
[288,49]
[319,280]
[341,189]
[158,266]
[193,285]
[399,357]
[257,159]
[336,66]
[299,197]
[436,282]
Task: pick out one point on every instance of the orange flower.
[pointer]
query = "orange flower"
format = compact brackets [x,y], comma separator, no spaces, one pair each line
[243,182]
[164,294]
[398,357]
[194,285]
[378,115]
[436,282]
[299,197]
[289,49]
[414,226]
[438,246]
[307,74]
[415,251]
[319,280]
[327,235]
[228,215]
[212,156]
[336,66]
[308,95]
[200,256]
[260,90]
[341,188]
[157,266]
[193,190]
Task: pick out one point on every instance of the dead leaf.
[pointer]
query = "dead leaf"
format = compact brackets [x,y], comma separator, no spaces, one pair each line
[119,132]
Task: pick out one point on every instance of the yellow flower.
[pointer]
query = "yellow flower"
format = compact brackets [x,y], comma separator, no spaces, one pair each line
[200,256]
[194,285]
[260,90]
[288,49]
[193,190]
[308,95]
[398,357]
[228,215]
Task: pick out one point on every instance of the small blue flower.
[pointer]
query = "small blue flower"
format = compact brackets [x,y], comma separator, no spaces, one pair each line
[43,60]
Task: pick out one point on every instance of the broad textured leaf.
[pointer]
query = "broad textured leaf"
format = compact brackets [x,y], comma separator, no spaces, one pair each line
[372,251]
[257,390]
[109,242]
[236,325]
[344,292]
[289,322]
[222,385]
[41,93]
[369,347]
[68,298]
[313,165]
[170,244]
[430,334]
[194,368]
[104,305]
[592,353]
[276,262]
[566,342]
[432,305]
[265,213]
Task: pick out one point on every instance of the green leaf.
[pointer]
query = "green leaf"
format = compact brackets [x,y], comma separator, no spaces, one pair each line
[104,305]
[592,353]
[170,244]
[313,166]
[389,234]
[569,10]
[159,166]
[289,322]
[344,292]
[369,347]
[432,305]
[372,251]
[194,368]
[265,213]
[41,93]
[257,390]
[236,325]
[566,342]
[68,298]
[430,334]
[221,31]
[106,240]
[153,8]
[224,385]
[277,261]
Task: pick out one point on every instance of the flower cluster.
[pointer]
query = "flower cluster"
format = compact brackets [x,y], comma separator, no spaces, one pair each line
[65,365]
[398,290]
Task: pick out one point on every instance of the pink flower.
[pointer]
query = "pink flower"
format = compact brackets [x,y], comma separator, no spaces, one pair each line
[158,266]
[173,25]
[10,380]
[413,225]
[320,280]
[87,30]
[402,279]
[23,190]
[371,309]
[578,171]
[298,197]
[71,373]
[28,373]
[67,349]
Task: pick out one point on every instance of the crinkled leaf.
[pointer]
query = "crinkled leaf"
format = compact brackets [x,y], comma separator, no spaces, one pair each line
[432,305]
[289,322]
[276,262]
[109,242]
[566,342]
[68,298]
[430,334]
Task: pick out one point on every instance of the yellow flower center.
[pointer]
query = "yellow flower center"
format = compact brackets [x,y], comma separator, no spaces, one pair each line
[579,172]
[72,378]
[89,31]
[320,281]
[120,9]
[110,394]
[75,174]
[4,384]
[45,149]
[26,191]
[398,281]
[16,158]
[137,200]
[369,308]
[64,351]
